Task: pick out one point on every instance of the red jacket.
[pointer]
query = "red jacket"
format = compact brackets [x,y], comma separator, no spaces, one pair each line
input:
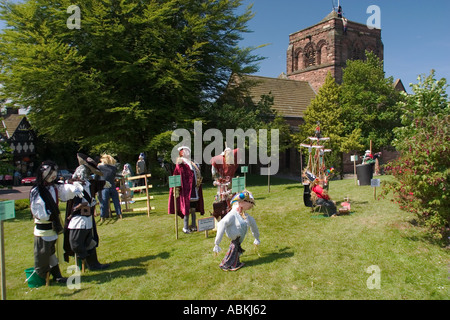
[187,190]
[318,190]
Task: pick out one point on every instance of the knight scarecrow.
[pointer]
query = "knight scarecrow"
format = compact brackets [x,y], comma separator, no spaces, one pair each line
[81,237]
[190,194]
[44,198]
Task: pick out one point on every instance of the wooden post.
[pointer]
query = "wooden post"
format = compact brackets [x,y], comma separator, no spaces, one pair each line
[354,169]
[2,258]
[176,213]
[268,178]
[148,198]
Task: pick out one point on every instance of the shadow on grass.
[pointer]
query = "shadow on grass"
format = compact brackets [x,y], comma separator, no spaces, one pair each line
[137,261]
[120,269]
[271,257]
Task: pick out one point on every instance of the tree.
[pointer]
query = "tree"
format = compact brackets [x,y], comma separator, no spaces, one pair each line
[133,70]
[326,109]
[429,99]
[369,101]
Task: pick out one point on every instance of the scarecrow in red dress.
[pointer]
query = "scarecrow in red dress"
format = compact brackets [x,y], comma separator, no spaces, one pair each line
[190,194]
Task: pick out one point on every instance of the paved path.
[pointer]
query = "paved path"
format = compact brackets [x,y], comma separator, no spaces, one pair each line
[16,193]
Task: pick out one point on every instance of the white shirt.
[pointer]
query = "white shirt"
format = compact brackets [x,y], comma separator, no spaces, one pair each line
[83,222]
[38,209]
[234,225]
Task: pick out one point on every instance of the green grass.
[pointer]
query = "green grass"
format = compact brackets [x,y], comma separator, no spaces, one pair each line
[302,255]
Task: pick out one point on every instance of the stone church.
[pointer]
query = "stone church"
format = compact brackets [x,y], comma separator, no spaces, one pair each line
[311,54]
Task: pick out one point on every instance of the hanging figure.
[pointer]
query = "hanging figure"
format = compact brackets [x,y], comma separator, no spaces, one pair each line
[44,196]
[317,132]
[81,237]
[190,194]
[340,12]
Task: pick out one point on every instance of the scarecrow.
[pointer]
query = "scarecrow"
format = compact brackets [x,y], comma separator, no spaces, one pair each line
[44,197]
[314,194]
[81,237]
[223,168]
[190,194]
[235,224]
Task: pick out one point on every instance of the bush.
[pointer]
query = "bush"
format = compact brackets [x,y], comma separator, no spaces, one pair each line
[423,172]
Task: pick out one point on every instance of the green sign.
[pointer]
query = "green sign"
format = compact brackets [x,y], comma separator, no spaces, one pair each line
[238,184]
[7,210]
[244,169]
[174,181]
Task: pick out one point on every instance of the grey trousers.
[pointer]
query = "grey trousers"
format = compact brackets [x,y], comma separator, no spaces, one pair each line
[44,256]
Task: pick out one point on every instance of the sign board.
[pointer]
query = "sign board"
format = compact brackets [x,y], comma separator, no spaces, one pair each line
[205,224]
[244,169]
[375,182]
[174,181]
[238,184]
[7,210]
[354,158]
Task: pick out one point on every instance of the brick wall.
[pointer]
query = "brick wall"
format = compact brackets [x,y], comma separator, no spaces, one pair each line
[325,47]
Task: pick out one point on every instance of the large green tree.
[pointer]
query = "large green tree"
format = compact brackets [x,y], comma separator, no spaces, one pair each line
[326,110]
[369,101]
[131,70]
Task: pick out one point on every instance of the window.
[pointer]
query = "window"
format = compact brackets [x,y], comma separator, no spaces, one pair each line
[310,56]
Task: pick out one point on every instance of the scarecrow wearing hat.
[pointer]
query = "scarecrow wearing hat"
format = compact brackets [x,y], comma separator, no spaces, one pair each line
[235,224]
[81,237]
[44,197]
[190,194]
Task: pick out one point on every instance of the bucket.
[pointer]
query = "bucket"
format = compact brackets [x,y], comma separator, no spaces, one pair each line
[34,281]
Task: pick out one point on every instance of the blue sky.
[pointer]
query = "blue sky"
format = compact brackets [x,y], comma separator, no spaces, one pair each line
[416,34]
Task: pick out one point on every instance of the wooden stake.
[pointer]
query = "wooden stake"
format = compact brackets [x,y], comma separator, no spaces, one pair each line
[2,260]
[176,213]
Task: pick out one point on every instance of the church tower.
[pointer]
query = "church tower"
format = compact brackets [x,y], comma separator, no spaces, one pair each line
[326,47]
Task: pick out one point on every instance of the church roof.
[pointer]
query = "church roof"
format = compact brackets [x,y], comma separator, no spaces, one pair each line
[291,97]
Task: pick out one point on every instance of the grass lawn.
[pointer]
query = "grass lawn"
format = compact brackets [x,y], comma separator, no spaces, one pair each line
[303,255]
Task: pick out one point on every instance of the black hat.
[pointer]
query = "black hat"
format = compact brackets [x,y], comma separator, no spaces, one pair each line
[89,162]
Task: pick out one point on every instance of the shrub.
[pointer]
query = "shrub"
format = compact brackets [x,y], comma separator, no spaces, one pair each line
[423,172]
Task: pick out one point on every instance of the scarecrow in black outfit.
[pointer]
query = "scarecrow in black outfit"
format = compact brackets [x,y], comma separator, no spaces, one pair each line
[44,198]
[81,237]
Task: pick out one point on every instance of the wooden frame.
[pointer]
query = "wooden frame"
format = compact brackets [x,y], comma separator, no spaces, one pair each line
[147,196]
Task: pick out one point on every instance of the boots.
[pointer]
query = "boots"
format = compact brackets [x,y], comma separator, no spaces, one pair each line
[57,276]
[92,262]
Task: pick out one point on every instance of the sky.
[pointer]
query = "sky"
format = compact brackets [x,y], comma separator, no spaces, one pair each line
[415,34]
